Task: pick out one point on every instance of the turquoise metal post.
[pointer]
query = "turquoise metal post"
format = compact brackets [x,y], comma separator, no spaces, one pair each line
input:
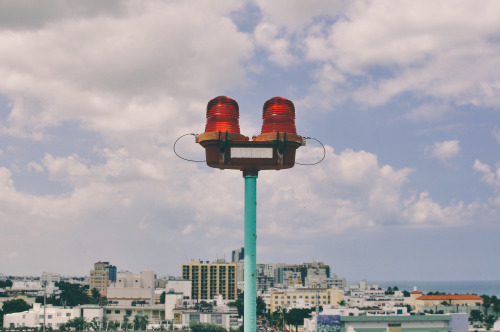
[250,275]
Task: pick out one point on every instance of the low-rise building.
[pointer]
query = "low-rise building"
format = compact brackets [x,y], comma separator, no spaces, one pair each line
[54,317]
[33,288]
[117,313]
[448,299]
[308,296]
[223,316]
[384,323]
[130,287]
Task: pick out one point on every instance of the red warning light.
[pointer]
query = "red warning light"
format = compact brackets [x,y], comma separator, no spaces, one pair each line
[223,115]
[278,115]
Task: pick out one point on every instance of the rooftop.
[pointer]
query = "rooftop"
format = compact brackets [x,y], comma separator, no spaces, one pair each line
[450,297]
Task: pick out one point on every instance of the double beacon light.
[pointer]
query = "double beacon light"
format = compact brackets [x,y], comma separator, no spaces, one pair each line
[274,148]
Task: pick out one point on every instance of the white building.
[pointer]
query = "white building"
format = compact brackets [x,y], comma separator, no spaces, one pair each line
[172,301]
[50,277]
[54,316]
[33,288]
[130,287]
[177,286]
[218,314]
[336,282]
[155,313]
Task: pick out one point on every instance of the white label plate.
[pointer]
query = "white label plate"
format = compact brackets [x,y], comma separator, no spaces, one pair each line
[238,152]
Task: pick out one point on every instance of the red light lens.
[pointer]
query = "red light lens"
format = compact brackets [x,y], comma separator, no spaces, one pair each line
[223,115]
[278,114]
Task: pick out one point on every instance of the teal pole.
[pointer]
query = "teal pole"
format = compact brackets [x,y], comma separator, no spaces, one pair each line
[250,275]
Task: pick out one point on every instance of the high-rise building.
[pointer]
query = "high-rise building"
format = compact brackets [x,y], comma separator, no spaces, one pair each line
[99,278]
[211,279]
[238,255]
[318,272]
[112,272]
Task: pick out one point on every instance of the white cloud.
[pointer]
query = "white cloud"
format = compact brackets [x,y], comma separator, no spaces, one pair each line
[283,23]
[444,151]
[36,167]
[427,113]
[496,135]
[138,75]
[267,36]
[122,74]
[299,14]
[424,47]
[491,178]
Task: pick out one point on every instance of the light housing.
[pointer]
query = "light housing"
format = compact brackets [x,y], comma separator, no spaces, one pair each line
[278,115]
[222,115]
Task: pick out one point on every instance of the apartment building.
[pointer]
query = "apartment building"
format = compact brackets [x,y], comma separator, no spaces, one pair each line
[211,279]
[99,278]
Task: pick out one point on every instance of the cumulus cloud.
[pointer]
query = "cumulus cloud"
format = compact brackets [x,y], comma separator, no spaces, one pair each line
[302,13]
[427,113]
[428,49]
[444,151]
[488,176]
[491,178]
[267,36]
[138,75]
[109,72]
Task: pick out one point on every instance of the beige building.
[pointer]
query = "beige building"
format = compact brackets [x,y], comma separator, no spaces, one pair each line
[305,297]
[211,279]
[99,278]
[449,299]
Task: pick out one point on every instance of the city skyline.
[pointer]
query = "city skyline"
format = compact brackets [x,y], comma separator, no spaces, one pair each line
[403,95]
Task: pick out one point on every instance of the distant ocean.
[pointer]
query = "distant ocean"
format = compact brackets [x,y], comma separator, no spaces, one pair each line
[451,287]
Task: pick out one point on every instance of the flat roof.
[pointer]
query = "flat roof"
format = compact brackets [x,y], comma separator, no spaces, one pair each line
[395,318]
[450,297]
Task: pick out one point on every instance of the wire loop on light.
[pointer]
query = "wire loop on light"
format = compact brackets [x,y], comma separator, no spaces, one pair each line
[194,161]
[324,153]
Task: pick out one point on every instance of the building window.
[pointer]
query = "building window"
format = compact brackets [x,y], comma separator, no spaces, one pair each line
[216,319]
[194,317]
[108,312]
[49,316]
[117,311]
[68,314]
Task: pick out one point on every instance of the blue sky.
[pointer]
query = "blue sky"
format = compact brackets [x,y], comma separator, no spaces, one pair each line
[404,95]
